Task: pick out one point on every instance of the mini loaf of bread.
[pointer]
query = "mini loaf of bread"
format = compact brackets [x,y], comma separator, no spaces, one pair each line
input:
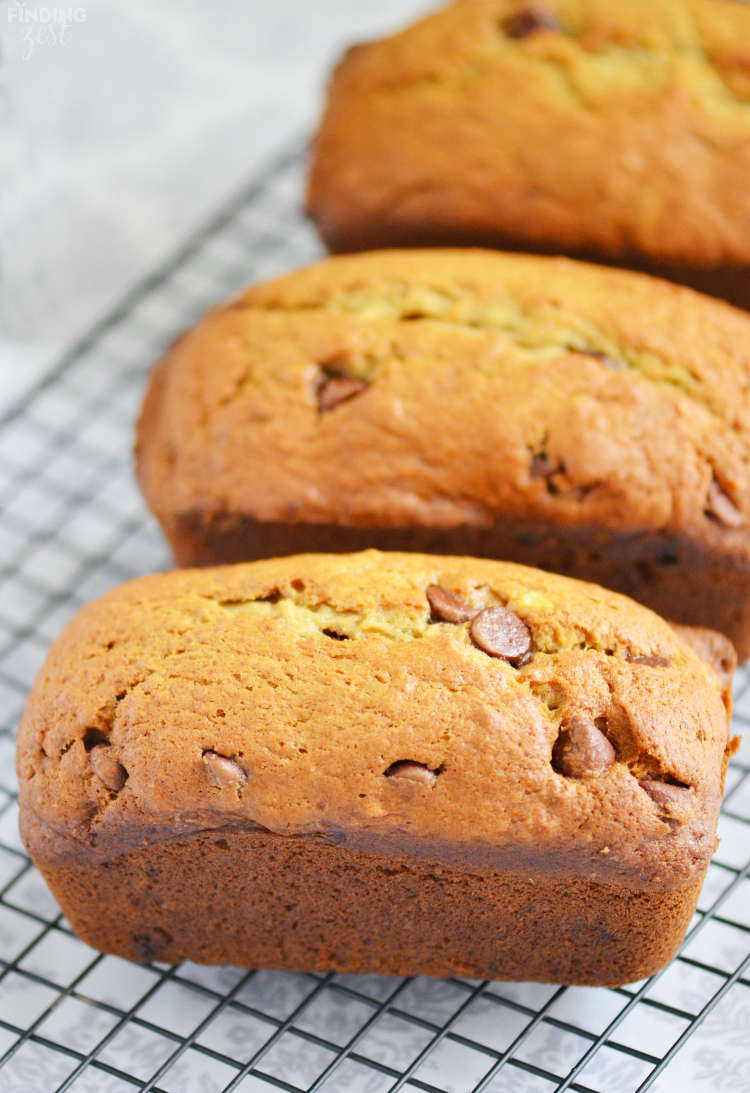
[584,420]
[386,763]
[614,130]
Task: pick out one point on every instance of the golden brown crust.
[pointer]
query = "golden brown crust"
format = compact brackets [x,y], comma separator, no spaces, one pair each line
[501,396]
[243,663]
[622,135]
[205,753]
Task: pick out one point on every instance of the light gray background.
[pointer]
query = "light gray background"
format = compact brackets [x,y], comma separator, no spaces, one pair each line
[115,145]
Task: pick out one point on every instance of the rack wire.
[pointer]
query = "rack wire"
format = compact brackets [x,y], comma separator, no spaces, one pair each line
[72,526]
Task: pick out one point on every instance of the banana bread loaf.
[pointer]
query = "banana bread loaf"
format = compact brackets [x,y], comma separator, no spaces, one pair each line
[613,130]
[376,763]
[584,420]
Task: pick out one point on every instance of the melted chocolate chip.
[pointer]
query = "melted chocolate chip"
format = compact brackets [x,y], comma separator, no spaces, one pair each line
[500,632]
[713,648]
[541,467]
[722,509]
[664,793]
[651,660]
[528,21]
[92,737]
[106,767]
[224,772]
[445,607]
[412,772]
[582,750]
[338,389]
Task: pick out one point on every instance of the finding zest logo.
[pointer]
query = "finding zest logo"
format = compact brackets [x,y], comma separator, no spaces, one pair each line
[52,24]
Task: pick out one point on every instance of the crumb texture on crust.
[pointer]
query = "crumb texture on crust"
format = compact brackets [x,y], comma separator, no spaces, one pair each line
[458,389]
[318,695]
[618,127]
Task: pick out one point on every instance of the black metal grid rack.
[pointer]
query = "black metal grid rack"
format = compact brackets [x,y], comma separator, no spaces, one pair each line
[73,526]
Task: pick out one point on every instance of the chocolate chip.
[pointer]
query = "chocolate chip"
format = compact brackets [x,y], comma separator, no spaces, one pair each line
[528,21]
[106,767]
[92,737]
[335,635]
[722,509]
[501,633]
[664,793]
[582,750]
[541,467]
[412,772]
[338,389]
[713,648]
[444,607]
[651,660]
[225,773]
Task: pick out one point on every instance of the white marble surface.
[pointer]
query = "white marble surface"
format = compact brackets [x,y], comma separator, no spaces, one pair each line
[118,142]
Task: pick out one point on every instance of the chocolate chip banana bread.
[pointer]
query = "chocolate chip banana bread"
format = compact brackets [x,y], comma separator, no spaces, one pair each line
[584,420]
[613,130]
[376,762]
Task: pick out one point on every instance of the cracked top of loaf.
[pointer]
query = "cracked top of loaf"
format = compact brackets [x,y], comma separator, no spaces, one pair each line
[619,127]
[446,388]
[323,696]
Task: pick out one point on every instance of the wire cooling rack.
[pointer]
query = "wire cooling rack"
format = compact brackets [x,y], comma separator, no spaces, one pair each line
[73,525]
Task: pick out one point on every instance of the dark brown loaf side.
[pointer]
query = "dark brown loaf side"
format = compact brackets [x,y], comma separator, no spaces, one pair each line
[584,420]
[301,764]
[612,130]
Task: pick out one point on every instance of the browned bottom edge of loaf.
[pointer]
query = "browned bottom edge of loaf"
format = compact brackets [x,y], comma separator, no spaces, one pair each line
[667,573]
[730,283]
[257,900]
